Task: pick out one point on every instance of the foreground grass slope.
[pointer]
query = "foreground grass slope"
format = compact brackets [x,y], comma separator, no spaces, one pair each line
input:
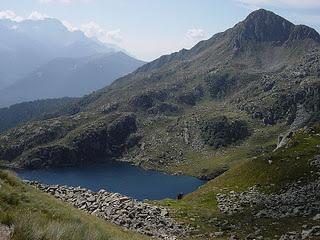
[36,216]
[271,172]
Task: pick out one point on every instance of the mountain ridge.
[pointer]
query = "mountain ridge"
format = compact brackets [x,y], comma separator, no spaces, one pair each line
[26,45]
[241,31]
[69,77]
[263,84]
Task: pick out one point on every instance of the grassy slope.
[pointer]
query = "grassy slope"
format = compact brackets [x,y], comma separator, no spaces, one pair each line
[36,216]
[288,165]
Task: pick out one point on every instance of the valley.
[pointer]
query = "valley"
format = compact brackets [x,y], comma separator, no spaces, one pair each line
[239,111]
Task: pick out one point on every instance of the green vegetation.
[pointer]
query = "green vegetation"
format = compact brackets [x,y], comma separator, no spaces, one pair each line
[220,84]
[40,109]
[270,171]
[214,161]
[38,216]
[221,132]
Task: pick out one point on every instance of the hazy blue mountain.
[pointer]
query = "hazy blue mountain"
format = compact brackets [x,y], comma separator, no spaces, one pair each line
[26,45]
[70,77]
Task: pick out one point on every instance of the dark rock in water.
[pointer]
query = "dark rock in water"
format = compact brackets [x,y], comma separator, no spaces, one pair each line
[180,196]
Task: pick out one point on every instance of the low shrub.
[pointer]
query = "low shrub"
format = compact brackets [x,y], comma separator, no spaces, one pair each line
[221,132]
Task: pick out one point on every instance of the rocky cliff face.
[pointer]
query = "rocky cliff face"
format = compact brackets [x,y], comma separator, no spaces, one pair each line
[99,140]
[265,26]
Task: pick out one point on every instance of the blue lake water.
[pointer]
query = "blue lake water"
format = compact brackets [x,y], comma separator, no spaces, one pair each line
[117,177]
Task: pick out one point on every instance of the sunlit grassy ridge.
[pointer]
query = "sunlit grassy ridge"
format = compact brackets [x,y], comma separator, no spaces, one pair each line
[37,216]
[271,172]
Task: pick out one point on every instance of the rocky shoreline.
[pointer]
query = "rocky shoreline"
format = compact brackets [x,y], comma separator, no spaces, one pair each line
[119,209]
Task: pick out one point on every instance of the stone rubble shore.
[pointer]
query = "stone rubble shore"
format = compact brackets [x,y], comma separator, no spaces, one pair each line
[122,210]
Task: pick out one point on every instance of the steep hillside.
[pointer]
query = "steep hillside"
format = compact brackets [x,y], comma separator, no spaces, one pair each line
[264,72]
[69,77]
[270,196]
[35,215]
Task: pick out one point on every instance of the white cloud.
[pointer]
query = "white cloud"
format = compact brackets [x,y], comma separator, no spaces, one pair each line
[114,35]
[196,34]
[37,16]
[70,26]
[93,29]
[191,38]
[8,14]
[288,3]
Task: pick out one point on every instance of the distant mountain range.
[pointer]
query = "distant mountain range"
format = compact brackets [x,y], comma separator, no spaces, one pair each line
[71,77]
[47,54]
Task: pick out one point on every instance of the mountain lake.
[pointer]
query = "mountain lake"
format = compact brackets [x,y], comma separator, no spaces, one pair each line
[118,177]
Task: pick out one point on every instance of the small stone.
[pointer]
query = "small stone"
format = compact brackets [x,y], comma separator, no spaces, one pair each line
[233,237]
[91,199]
[316,217]
[219,234]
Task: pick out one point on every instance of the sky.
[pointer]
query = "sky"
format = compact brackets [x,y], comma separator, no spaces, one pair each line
[148,29]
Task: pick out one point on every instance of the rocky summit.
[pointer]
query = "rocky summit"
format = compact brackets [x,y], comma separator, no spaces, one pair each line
[119,209]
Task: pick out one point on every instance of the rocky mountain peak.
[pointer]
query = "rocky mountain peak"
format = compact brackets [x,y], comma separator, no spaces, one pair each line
[265,26]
